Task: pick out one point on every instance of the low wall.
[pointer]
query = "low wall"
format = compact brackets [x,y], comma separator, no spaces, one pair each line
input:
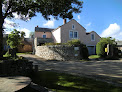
[58,52]
[12,68]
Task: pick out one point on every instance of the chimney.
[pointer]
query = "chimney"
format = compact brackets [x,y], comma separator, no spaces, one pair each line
[37,25]
[65,21]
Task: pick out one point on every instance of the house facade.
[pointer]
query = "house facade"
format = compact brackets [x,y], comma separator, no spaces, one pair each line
[26,45]
[68,31]
[43,35]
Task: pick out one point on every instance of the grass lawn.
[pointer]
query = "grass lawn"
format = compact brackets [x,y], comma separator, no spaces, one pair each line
[61,82]
[94,57]
[24,53]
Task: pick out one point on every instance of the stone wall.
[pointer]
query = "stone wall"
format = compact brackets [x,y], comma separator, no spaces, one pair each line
[18,67]
[58,52]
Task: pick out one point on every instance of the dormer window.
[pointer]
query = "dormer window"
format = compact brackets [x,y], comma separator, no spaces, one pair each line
[92,37]
[73,26]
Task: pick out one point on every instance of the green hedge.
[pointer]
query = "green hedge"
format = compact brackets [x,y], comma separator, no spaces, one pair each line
[100,47]
[83,49]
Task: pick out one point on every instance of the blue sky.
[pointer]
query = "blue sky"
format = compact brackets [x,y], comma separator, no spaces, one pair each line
[101,16]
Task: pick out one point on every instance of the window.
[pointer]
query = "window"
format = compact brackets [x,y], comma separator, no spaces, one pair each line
[92,37]
[71,34]
[44,36]
[73,26]
[75,34]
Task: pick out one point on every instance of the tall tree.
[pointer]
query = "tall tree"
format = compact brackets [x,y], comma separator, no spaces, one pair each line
[26,9]
[15,38]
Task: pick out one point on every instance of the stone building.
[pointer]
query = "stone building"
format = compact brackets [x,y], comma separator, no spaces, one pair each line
[68,31]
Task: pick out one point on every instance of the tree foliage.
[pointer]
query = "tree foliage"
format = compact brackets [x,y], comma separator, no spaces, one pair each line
[26,9]
[31,35]
[15,38]
[75,42]
[100,47]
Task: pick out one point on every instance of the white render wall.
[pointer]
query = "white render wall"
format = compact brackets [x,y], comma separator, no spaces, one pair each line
[57,35]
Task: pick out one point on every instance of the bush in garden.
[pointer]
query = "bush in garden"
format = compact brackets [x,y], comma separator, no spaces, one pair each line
[74,42]
[102,44]
[52,44]
[83,48]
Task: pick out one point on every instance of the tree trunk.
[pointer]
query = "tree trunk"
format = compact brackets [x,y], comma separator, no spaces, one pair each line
[1,30]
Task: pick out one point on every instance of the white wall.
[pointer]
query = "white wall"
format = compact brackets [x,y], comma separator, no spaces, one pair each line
[57,35]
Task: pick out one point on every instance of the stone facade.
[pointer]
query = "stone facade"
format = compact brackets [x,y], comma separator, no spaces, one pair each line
[68,31]
[119,45]
[40,34]
[58,52]
[26,46]
[66,28]
[62,35]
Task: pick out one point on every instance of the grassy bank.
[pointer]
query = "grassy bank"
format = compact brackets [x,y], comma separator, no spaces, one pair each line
[94,57]
[61,82]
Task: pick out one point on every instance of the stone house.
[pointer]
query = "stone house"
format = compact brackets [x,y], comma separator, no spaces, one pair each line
[26,46]
[119,45]
[43,35]
[68,31]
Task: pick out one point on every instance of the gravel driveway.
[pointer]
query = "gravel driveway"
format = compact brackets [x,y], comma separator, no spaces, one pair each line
[108,70]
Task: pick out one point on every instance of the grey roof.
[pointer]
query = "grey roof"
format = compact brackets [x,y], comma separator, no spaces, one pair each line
[119,42]
[87,33]
[39,29]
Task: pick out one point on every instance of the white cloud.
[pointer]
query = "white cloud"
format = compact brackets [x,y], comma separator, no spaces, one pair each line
[7,31]
[16,16]
[112,31]
[89,24]
[8,24]
[27,32]
[50,23]
[78,17]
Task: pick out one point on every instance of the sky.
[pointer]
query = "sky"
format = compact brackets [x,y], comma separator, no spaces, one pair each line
[102,16]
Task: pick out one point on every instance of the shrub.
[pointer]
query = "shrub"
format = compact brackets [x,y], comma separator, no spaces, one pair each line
[83,49]
[7,54]
[52,44]
[75,42]
[100,47]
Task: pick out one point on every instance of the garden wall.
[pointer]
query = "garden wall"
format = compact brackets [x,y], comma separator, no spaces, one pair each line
[58,52]
[18,67]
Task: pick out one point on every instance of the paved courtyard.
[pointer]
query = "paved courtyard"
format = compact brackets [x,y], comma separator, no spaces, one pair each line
[109,70]
[12,84]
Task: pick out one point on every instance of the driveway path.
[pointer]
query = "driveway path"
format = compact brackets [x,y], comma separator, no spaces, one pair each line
[108,70]
[12,84]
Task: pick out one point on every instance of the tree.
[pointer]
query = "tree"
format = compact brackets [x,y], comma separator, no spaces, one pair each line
[15,38]
[28,8]
[102,44]
[31,35]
